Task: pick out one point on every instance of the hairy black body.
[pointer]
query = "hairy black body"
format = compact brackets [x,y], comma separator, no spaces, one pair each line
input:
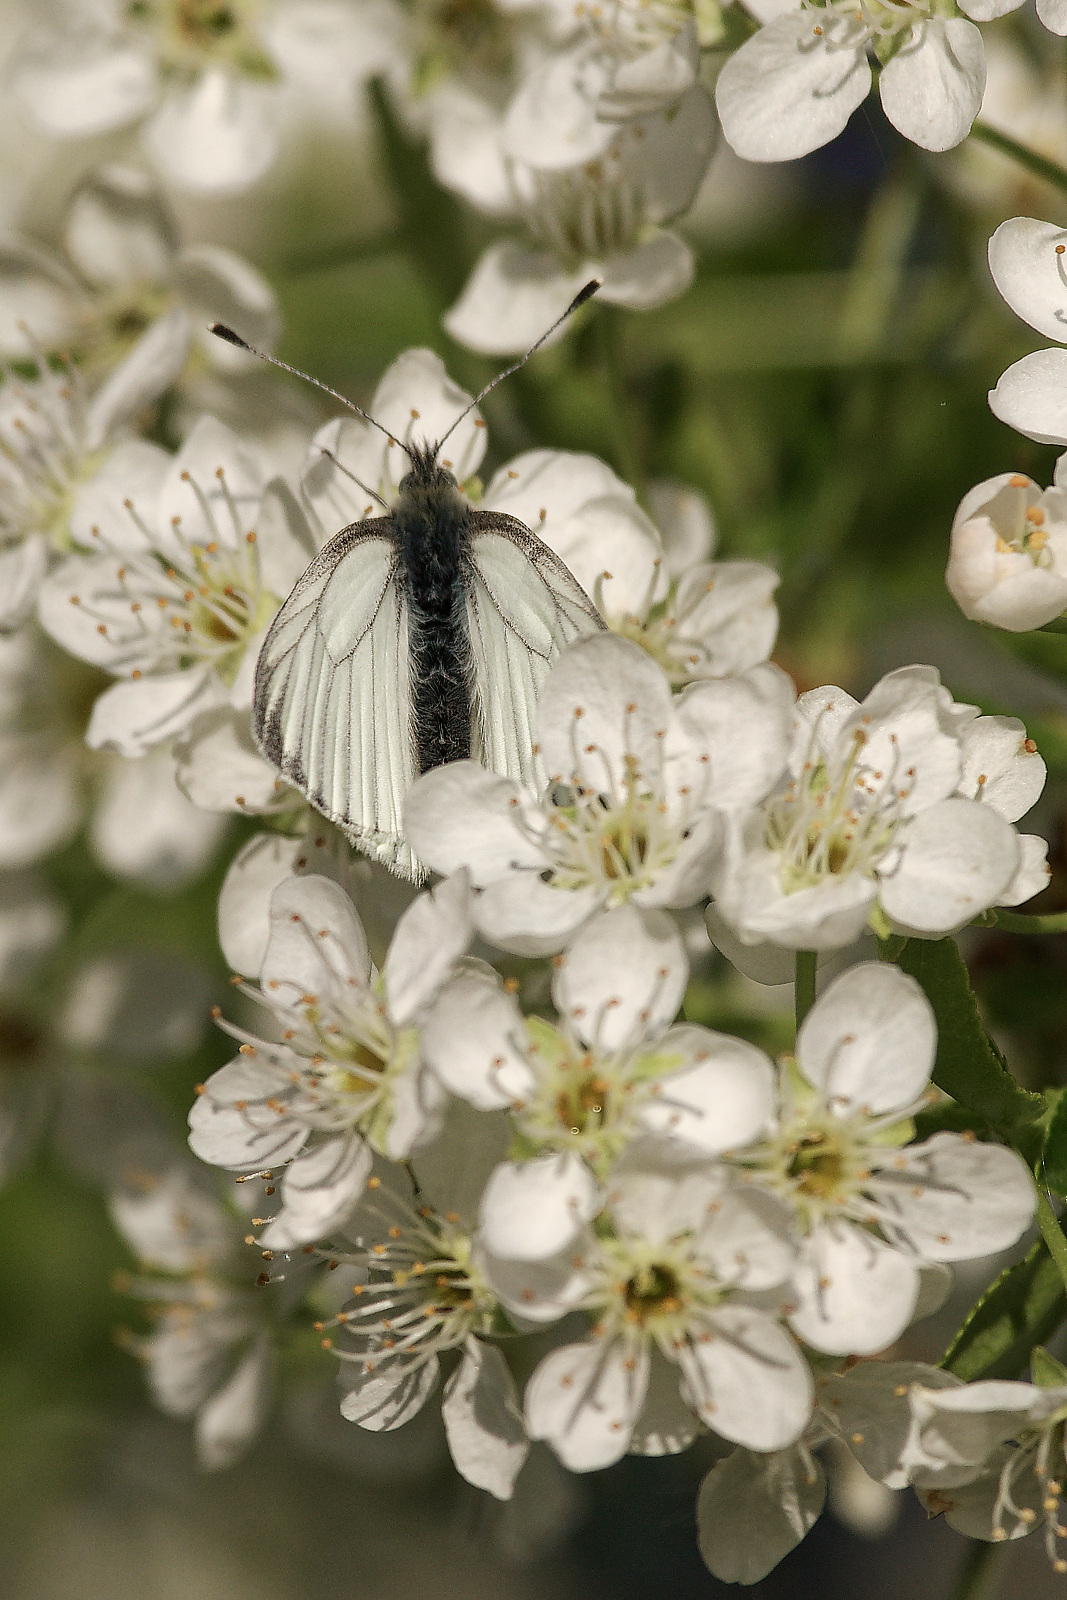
[432,524]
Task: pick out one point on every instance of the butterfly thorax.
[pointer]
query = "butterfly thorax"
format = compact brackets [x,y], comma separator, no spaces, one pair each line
[433,530]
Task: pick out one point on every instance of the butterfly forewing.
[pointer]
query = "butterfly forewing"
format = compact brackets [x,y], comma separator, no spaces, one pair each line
[332,706]
[523,607]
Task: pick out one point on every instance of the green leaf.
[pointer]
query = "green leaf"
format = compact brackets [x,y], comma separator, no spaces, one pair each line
[1045,1370]
[1022,1309]
[969,1066]
[1054,1161]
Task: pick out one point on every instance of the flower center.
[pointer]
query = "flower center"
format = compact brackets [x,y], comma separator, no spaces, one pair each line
[618,843]
[818,1166]
[827,825]
[192,34]
[652,1291]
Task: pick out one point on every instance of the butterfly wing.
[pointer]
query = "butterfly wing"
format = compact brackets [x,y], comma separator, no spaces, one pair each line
[523,607]
[332,703]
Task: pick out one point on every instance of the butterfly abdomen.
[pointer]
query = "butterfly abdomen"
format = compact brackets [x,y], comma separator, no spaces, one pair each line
[433,533]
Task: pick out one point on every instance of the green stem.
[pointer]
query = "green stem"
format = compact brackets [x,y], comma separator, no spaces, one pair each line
[1019,922]
[609,335]
[1039,165]
[804,983]
[979,1564]
[1051,1232]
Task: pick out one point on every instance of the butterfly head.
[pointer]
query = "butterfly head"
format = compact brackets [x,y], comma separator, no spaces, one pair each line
[426,471]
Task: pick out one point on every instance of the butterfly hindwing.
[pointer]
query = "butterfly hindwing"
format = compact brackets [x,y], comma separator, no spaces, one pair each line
[523,607]
[332,706]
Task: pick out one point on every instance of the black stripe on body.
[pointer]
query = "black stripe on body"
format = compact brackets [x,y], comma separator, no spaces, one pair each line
[433,531]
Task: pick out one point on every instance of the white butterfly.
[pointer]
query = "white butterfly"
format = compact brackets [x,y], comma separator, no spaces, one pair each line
[413,638]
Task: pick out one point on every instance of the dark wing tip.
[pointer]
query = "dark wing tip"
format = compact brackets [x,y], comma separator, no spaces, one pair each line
[220,330]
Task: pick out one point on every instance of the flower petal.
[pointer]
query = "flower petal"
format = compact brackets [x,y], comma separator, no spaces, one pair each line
[471,1037]
[216,136]
[745,1377]
[1031,396]
[320,1190]
[721,1099]
[869,1041]
[534,1209]
[793,86]
[957,1199]
[483,1420]
[932,87]
[431,936]
[244,899]
[585,1398]
[959,857]
[622,977]
[752,1509]
[854,1295]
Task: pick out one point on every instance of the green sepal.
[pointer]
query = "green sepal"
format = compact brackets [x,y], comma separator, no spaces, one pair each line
[1054,1155]
[969,1067]
[879,923]
[1045,1370]
[522,1148]
[1020,1310]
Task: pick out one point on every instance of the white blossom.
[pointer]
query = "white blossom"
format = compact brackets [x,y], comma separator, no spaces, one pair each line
[595,196]
[867,1206]
[661,1276]
[187,560]
[875,825]
[210,1353]
[1007,563]
[794,85]
[1026,258]
[55,435]
[346,1076]
[990,1455]
[638,782]
[419,1292]
[210,86]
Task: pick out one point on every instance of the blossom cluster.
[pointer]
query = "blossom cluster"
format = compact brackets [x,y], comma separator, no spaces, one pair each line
[497,1154]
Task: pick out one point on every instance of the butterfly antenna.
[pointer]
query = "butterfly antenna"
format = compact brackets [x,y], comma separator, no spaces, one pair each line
[339,464]
[220,331]
[579,300]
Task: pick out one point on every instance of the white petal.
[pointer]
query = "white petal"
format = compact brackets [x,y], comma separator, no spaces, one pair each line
[746,1378]
[22,570]
[192,479]
[416,1107]
[744,725]
[1031,396]
[1033,872]
[999,768]
[472,1036]
[534,1209]
[320,1190]
[81,81]
[685,521]
[870,1040]
[1029,273]
[119,230]
[958,1199]
[134,471]
[666,1425]
[747,1239]
[658,270]
[869,1404]
[720,1100]
[530,918]
[41,302]
[220,769]
[955,1430]
[752,1509]
[552,121]
[959,857]
[1053,13]
[602,715]
[244,899]
[218,286]
[391,1392]
[151,366]
[317,942]
[143,828]
[431,936]
[790,89]
[460,815]
[229,1130]
[622,978]
[216,136]
[418,402]
[465,149]
[932,88]
[584,1399]
[227,1423]
[538,1292]
[483,1420]
[136,714]
[854,1295]
[511,297]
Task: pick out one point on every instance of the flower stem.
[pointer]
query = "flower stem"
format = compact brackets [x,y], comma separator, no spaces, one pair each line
[973,1580]
[1051,1232]
[1016,922]
[1039,165]
[804,983]
[608,322]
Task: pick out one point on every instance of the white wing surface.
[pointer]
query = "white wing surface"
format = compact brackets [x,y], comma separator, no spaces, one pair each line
[523,607]
[332,706]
